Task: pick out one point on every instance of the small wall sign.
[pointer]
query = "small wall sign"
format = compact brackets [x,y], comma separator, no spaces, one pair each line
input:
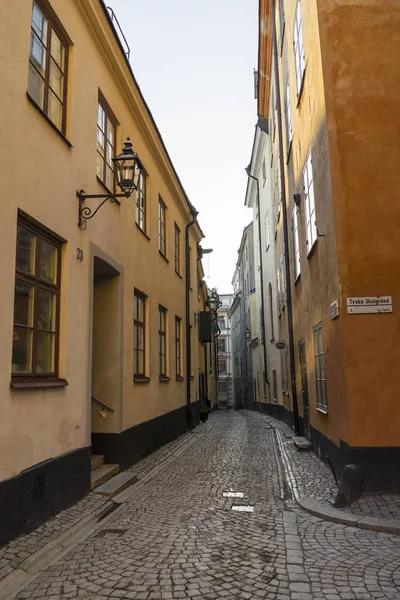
[281,345]
[369,305]
[334,309]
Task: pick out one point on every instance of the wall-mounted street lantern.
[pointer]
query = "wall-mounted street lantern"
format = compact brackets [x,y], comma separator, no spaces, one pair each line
[248,336]
[214,303]
[128,169]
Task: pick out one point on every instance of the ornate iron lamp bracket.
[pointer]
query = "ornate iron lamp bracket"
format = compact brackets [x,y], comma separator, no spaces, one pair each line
[85,212]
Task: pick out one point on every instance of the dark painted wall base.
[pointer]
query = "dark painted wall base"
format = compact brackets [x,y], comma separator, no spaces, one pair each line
[42,491]
[380,466]
[129,446]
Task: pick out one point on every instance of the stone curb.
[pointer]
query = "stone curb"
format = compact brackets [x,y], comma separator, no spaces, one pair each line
[330,513]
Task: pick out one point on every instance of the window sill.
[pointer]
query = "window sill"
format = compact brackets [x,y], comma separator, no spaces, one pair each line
[180,378]
[179,275]
[142,231]
[300,92]
[33,384]
[311,250]
[323,411]
[62,136]
[163,255]
[164,378]
[141,379]
[289,152]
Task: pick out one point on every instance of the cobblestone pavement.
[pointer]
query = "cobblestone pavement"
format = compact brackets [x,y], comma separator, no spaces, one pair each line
[178,537]
[18,550]
[315,479]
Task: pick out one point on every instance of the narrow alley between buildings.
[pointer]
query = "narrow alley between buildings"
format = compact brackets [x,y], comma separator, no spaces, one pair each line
[176,533]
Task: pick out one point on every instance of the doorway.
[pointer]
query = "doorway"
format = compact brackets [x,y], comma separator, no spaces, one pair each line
[106,353]
[304,388]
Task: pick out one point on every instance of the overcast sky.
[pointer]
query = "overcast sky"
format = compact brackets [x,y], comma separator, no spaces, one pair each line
[194,63]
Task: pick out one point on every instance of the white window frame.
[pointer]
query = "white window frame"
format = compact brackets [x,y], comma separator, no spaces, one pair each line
[320,369]
[298,48]
[267,232]
[309,199]
[288,119]
[296,244]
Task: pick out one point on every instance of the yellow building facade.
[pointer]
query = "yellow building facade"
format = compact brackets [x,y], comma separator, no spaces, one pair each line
[337,89]
[93,324]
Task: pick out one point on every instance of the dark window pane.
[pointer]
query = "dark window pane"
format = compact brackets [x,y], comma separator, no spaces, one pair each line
[39,22]
[55,110]
[47,310]
[38,54]
[56,80]
[57,50]
[36,86]
[26,247]
[45,352]
[22,350]
[23,303]
[48,258]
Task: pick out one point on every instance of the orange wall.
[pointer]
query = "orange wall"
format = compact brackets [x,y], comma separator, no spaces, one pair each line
[360,44]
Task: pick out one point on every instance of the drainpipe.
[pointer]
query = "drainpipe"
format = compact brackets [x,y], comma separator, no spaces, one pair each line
[189,419]
[285,224]
[264,329]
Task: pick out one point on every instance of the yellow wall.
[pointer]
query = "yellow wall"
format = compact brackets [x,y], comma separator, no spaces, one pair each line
[40,175]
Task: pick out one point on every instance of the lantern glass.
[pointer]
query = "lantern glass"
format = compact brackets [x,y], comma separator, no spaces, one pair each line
[128,168]
[212,304]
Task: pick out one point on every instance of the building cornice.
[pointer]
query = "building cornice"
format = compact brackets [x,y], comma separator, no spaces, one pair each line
[99,21]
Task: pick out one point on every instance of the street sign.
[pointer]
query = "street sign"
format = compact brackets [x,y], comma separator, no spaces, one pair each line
[281,345]
[369,305]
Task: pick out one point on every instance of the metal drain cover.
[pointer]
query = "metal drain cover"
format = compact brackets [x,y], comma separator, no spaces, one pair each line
[110,533]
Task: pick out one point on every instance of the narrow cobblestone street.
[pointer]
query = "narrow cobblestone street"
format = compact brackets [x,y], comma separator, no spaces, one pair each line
[177,537]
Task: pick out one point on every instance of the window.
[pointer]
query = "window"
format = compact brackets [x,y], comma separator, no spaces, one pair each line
[222,366]
[36,302]
[320,374]
[141,202]
[275,385]
[271,312]
[310,203]
[298,46]
[264,172]
[177,249]
[139,333]
[162,342]
[221,345]
[221,322]
[106,124]
[222,388]
[281,21]
[288,119]
[296,248]
[284,371]
[162,240]
[47,79]
[178,360]
[267,234]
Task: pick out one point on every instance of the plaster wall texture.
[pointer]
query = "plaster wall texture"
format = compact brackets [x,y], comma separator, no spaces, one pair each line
[40,175]
[360,42]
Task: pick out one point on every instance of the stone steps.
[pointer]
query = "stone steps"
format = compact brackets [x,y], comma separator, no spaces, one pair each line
[97,460]
[117,484]
[102,474]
